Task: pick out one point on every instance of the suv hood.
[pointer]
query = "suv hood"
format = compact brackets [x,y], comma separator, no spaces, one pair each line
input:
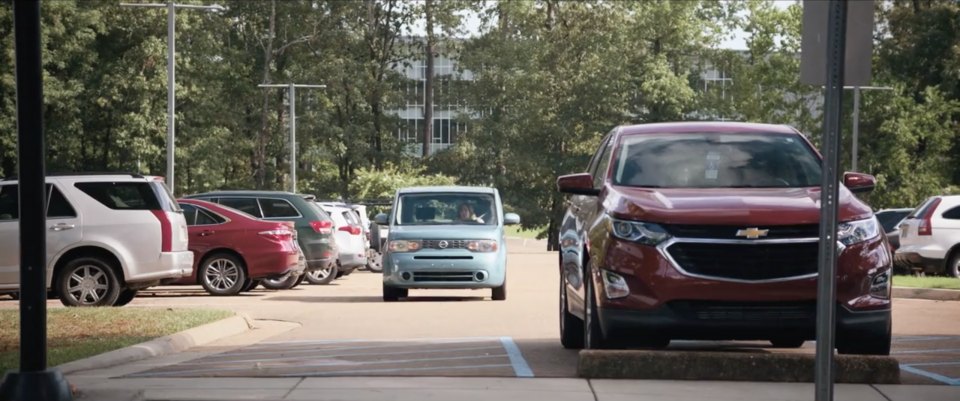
[445,232]
[736,206]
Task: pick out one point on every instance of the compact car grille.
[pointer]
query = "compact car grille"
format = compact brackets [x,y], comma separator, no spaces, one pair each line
[730,232]
[444,244]
[745,311]
[443,276]
[744,261]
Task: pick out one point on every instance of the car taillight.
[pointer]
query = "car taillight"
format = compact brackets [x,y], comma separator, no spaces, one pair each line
[353,230]
[322,227]
[277,235]
[926,228]
[166,230]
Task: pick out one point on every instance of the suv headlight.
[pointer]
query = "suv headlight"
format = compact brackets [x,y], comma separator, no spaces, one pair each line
[644,233]
[404,246]
[855,232]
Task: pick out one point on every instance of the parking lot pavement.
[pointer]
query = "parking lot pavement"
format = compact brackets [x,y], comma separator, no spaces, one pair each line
[474,357]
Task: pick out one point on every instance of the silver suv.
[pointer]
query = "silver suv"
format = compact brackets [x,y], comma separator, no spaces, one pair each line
[108,237]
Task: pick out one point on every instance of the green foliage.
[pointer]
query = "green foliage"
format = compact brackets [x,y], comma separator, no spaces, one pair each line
[382,185]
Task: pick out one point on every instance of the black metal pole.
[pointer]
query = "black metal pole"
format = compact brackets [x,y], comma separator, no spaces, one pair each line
[829,191]
[33,381]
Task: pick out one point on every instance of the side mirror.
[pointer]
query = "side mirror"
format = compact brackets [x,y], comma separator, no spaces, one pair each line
[577,184]
[510,219]
[381,219]
[859,182]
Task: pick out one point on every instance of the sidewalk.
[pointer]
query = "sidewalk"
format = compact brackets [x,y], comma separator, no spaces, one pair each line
[469,389]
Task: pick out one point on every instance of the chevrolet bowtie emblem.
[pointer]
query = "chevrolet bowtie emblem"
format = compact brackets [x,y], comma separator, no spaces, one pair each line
[752,233]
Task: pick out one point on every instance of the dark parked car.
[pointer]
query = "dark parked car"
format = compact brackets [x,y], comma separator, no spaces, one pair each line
[233,250]
[314,226]
[710,231]
[890,220]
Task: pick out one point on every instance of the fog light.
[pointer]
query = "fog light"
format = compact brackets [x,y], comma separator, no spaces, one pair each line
[614,285]
[880,285]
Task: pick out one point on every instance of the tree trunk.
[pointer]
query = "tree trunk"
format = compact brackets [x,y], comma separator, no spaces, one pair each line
[260,152]
[428,83]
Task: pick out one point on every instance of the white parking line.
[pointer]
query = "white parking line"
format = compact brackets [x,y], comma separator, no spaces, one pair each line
[520,367]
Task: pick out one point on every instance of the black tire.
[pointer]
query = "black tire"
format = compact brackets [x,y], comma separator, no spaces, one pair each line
[88,281]
[571,327]
[874,343]
[299,281]
[322,276]
[375,237]
[393,294]
[787,342]
[284,283]
[222,274]
[593,336]
[953,268]
[500,293]
[126,296]
[250,285]
[375,261]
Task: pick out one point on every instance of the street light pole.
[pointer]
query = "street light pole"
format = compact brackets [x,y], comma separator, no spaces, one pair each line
[856,118]
[292,100]
[171,74]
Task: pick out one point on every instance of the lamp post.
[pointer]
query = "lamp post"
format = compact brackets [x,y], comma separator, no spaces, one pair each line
[292,100]
[856,119]
[171,71]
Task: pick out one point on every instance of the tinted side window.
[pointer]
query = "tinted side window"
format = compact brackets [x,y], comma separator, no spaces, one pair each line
[246,205]
[58,206]
[189,213]
[602,164]
[952,214]
[277,208]
[205,217]
[122,195]
[9,203]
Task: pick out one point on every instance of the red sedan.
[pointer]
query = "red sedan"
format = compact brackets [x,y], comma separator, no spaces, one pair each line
[233,250]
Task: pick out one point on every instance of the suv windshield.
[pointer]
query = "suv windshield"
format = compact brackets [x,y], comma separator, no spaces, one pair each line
[446,209]
[715,160]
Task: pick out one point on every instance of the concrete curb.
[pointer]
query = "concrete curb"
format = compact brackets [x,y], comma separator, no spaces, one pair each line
[163,345]
[731,366]
[935,294]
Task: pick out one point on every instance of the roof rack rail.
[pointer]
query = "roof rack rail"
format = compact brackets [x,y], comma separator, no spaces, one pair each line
[78,173]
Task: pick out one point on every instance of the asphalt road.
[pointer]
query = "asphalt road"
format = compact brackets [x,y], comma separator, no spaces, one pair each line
[346,330]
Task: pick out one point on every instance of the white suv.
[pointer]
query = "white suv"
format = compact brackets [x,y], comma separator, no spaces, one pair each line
[108,237]
[930,237]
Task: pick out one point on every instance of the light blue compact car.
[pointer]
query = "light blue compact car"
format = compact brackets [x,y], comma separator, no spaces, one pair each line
[445,237]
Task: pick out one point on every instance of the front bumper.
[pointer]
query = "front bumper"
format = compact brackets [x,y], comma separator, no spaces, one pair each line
[738,321]
[444,269]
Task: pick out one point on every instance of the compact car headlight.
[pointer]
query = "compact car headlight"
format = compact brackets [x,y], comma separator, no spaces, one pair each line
[484,245]
[644,233]
[855,232]
[404,246]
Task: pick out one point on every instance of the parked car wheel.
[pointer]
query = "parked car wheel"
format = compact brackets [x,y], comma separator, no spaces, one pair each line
[393,294]
[88,281]
[222,274]
[953,268]
[500,293]
[375,261]
[874,343]
[283,283]
[787,342]
[249,285]
[571,327]
[126,296]
[322,276]
[592,332]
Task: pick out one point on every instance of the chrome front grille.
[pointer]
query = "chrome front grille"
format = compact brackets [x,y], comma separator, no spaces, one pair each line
[444,244]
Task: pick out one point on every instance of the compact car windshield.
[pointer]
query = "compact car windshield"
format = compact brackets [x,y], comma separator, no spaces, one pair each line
[446,209]
[729,160]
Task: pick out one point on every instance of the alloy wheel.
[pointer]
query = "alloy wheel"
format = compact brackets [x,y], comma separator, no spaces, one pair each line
[88,284]
[221,274]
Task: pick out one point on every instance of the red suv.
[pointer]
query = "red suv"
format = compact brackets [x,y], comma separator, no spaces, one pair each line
[710,231]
